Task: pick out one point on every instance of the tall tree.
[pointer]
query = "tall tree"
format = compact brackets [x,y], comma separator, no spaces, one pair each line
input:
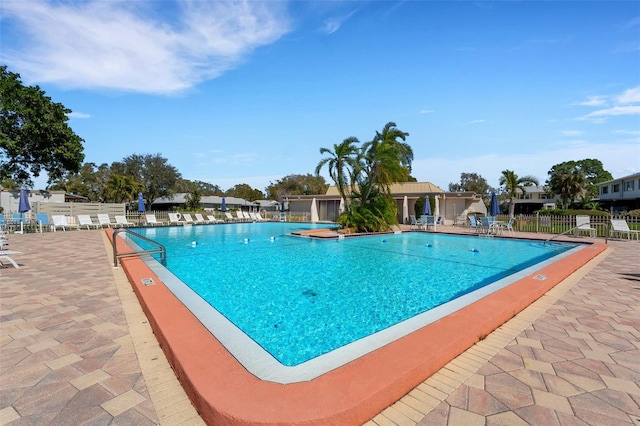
[514,185]
[566,180]
[153,171]
[245,191]
[296,185]
[592,170]
[34,134]
[341,162]
[121,188]
[472,182]
[192,200]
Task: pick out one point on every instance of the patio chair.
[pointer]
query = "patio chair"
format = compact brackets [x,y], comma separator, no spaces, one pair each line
[61,221]
[3,222]
[42,219]
[4,255]
[122,222]
[151,220]
[509,227]
[620,227]
[428,221]
[583,224]
[473,224]
[413,222]
[213,219]
[229,217]
[199,218]
[174,218]
[240,216]
[259,217]
[188,219]
[104,219]
[85,220]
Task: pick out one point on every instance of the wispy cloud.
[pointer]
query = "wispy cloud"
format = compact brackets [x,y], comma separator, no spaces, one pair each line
[572,133]
[616,105]
[426,111]
[476,121]
[592,101]
[126,46]
[78,115]
[333,24]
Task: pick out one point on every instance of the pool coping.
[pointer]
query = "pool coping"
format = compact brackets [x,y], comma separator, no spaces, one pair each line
[225,393]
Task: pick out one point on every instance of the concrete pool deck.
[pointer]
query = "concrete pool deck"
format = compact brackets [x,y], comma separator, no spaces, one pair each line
[74,349]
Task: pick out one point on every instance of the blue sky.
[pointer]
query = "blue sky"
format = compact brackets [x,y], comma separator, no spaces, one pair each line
[248,92]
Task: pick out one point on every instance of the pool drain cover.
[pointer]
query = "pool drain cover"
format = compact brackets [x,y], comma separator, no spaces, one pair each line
[147,281]
[540,277]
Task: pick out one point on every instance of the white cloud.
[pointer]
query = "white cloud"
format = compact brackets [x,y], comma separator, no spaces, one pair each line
[78,115]
[426,111]
[118,45]
[629,96]
[572,133]
[476,121]
[608,112]
[331,25]
[593,101]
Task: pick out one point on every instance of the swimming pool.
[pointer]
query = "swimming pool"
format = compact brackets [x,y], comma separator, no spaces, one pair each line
[306,306]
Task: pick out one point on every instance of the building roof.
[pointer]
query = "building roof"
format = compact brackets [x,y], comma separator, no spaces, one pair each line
[401,188]
[180,198]
[625,178]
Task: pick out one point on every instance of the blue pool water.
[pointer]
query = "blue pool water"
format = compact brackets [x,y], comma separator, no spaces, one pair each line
[299,298]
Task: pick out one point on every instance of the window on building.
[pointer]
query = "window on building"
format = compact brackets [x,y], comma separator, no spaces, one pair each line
[604,190]
[616,188]
[629,186]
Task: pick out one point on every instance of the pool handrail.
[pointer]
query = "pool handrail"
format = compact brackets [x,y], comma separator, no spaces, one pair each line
[160,249]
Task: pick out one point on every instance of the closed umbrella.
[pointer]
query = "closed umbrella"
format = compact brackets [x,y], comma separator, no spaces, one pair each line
[427,206]
[23,207]
[314,212]
[405,210]
[493,208]
[140,207]
[223,206]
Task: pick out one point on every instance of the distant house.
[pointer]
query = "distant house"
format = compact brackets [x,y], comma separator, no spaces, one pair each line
[621,194]
[535,198]
[10,198]
[212,202]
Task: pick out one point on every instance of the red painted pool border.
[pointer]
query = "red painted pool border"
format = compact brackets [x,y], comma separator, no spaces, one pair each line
[225,393]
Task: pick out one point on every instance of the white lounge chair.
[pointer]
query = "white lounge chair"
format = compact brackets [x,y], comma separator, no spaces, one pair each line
[199,218]
[583,224]
[4,255]
[105,220]
[151,220]
[85,220]
[188,219]
[213,219]
[122,221]
[230,217]
[620,227]
[61,221]
[240,216]
[246,216]
[259,217]
[175,218]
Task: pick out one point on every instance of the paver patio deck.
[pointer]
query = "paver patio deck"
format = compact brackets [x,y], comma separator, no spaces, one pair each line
[75,348]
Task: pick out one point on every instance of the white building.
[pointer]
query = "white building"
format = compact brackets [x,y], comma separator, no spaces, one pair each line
[621,194]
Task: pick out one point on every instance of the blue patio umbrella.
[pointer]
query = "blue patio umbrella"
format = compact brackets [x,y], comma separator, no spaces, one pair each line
[427,206]
[223,206]
[23,206]
[140,203]
[494,209]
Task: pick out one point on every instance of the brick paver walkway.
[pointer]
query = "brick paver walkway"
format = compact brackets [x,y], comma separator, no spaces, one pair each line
[71,353]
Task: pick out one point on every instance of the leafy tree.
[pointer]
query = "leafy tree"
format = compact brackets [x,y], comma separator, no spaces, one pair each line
[566,180]
[245,191]
[591,169]
[471,182]
[296,185]
[121,188]
[205,188]
[153,171]
[513,185]
[89,181]
[341,163]
[34,134]
[192,200]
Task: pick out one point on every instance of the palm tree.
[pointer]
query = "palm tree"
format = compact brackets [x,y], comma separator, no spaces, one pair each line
[341,163]
[386,159]
[513,185]
[120,188]
[568,182]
